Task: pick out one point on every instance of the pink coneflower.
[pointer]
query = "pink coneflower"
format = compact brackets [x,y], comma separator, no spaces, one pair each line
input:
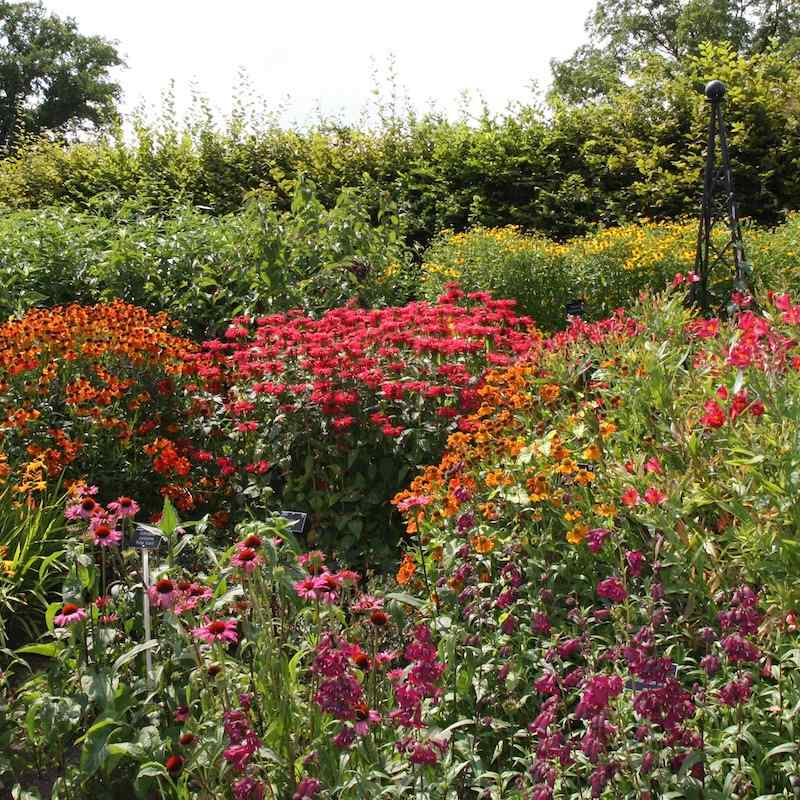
[124,507]
[103,535]
[308,588]
[88,507]
[251,541]
[247,559]
[218,630]
[69,613]
[379,618]
[328,585]
[191,594]
[367,603]
[348,577]
[163,593]
[312,561]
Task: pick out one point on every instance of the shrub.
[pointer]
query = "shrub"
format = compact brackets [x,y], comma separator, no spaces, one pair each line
[557,170]
[200,269]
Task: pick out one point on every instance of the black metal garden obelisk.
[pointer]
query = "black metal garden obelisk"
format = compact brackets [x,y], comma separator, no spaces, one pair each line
[719,208]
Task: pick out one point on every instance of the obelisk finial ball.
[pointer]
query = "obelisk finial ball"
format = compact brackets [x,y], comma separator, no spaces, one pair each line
[715,91]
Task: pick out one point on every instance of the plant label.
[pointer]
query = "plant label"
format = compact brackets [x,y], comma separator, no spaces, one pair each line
[296,520]
[146,538]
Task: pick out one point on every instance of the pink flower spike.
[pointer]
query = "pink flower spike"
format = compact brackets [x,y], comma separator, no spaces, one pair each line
[69,613]
[653,465]
[654,496]
[218,630]
[612,589]
[630,497]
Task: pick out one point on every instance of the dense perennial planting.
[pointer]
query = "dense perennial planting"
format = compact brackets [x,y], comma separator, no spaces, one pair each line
[90,390]
[596,597]
[334,413]
[614,553]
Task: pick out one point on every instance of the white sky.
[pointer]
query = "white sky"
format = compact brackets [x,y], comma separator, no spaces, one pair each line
[322,53]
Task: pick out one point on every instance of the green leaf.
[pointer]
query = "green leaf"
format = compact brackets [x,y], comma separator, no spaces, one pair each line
[169,518]
[98,726]
[786,747]
[50,650]
[50,614]
[132,653]
[130,749]
[407,599]
[152,769]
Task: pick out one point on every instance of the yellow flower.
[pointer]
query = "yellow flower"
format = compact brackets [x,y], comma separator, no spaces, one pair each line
[482,544]
[607,428]
[608,510]
[584,477]
[577,534]
[592,453]
[567,467]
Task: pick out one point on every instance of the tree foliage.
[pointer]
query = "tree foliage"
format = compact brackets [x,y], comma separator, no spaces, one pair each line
[623,34]
[52,78]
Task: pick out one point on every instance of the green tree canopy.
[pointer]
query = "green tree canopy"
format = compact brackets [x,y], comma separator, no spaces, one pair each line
[51,76]
[625,33]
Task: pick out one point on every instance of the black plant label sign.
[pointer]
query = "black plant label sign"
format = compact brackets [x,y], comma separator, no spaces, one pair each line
[296,520]
[146,538]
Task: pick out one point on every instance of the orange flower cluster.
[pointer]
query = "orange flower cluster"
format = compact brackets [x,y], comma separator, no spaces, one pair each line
[492,430]
[76,387]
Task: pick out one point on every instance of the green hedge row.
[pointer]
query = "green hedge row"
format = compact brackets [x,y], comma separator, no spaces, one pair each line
[557,169]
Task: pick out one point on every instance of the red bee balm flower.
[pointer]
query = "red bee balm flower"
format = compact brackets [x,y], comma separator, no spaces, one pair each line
[174,764]
[630,497]
[654,497]
[714,416]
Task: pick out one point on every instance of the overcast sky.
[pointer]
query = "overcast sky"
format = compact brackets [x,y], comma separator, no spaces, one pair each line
[321,53]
